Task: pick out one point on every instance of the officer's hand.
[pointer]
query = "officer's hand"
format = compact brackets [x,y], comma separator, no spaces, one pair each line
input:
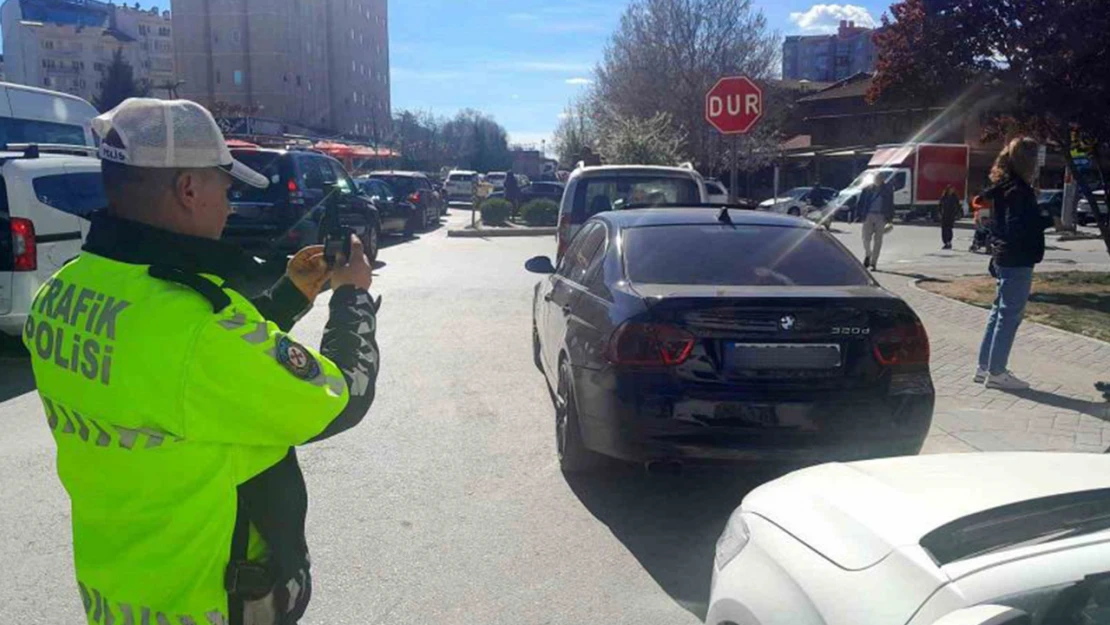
[355,271]
[309,271]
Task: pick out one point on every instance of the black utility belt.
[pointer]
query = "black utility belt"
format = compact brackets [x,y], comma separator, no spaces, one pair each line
[249,581]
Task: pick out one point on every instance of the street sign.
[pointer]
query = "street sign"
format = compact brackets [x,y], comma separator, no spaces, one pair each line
[734,105]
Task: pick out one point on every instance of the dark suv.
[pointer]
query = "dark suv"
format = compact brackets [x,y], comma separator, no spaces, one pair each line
[415,188]
[285,217]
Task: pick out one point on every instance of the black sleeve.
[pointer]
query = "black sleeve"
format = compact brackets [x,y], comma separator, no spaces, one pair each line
[284,304]
[350,342]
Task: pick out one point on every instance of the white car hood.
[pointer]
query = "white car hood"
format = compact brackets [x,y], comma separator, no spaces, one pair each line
[856,513]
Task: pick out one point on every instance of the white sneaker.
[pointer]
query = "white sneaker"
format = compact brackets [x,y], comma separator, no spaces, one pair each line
[1007,382]
[980,375]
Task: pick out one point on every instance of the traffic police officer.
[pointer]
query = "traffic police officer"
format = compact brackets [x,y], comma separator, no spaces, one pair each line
[175,401]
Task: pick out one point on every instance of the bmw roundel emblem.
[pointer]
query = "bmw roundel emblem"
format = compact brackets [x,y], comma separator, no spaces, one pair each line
[788,322]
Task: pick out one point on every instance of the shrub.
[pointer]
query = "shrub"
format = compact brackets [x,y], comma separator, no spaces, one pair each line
[496,211]
[540,213]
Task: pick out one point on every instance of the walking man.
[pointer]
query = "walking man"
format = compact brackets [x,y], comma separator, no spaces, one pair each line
[876,209]
[175,402]
[949,212]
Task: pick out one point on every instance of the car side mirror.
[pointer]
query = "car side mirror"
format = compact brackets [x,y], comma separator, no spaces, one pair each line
[540,264]
[986,615]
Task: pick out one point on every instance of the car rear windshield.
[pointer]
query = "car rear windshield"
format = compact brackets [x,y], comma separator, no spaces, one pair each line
[460,178]
[743,255]
[597,195]
[266,163]
[32,131]
[401,185]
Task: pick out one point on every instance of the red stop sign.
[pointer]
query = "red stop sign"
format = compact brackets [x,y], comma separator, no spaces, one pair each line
[734,105]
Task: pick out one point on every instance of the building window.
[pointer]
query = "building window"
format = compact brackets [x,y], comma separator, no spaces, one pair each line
[235,36]
[98,67]
[298,80]
[143,29]
[215,37]
[238,77]
[164,31]
[47,44]
[46,81]
[219,77]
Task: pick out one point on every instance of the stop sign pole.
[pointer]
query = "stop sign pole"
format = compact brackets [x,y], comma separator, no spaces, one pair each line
[734,106]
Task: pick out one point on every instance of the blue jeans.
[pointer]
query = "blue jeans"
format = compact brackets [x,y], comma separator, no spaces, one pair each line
[1002,326]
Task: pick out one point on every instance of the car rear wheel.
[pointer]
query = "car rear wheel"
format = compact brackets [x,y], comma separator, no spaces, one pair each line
[370,243]
[573,455]
[794,211]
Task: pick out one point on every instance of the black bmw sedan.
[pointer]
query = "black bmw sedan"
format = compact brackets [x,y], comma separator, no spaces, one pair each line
[695,334]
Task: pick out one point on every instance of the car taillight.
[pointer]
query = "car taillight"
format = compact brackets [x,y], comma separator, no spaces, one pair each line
[23,244]
[415,198]
[906,344]
[649,344]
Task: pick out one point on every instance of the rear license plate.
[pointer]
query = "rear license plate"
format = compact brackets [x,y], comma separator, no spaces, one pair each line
[752,414]
[782,356]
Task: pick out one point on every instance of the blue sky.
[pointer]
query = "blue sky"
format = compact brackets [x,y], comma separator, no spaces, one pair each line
[522,61]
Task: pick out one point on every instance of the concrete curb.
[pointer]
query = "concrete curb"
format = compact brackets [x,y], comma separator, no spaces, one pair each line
[916,284]
[501,233]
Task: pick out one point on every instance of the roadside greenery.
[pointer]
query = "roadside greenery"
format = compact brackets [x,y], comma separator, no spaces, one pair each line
[495,212]
[540,213]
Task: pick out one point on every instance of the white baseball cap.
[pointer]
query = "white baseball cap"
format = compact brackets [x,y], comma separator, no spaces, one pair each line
[178,134]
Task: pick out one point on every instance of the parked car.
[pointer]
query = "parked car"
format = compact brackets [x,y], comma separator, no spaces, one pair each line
[799,201]
[1083,213]
[1051,202]
[718,194]
[397,215]
[497,180]
[537,191]
[416,188]
[46,200]
[461,185]
[674,334]
[959,539]
[593,190]
[284,217]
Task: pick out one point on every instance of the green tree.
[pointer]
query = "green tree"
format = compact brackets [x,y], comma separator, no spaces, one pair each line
[118,84]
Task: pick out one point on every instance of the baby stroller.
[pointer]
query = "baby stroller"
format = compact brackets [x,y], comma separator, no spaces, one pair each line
[982,218]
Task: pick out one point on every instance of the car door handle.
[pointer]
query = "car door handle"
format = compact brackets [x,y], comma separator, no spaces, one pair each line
[547,297]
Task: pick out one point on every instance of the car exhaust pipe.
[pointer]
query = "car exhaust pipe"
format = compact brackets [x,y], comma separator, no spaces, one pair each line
[663,467]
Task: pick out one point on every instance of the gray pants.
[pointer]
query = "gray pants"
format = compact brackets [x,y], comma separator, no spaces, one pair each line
[874,226]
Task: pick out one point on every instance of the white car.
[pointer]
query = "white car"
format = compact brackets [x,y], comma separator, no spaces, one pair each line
[718,194]
[799,201]
[45,202]
[461,185]
[496,179]
[593,190]
[921,540]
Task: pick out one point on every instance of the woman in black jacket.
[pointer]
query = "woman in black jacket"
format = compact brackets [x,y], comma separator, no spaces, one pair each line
[1017,240]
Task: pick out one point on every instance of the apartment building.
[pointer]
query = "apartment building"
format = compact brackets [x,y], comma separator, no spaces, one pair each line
[829,58]
[66,45]
[320,64]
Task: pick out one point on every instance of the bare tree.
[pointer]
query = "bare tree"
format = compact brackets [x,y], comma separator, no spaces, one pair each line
[653,141]
[575,135]
[667,54]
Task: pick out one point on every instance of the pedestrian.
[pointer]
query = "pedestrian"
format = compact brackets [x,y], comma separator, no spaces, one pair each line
[512,190]
[175,401]
[876,210]
[950,210]
[1017,244]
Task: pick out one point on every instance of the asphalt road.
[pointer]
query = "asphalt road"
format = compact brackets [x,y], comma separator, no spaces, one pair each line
[446,505]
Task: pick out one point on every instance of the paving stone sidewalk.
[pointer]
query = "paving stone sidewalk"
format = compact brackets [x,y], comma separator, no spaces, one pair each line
[1062,411]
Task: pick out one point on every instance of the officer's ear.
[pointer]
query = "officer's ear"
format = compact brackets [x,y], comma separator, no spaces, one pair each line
[187,184]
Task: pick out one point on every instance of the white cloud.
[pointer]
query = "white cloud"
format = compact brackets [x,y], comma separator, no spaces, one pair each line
[825,18]
[579,81]
[564,115]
